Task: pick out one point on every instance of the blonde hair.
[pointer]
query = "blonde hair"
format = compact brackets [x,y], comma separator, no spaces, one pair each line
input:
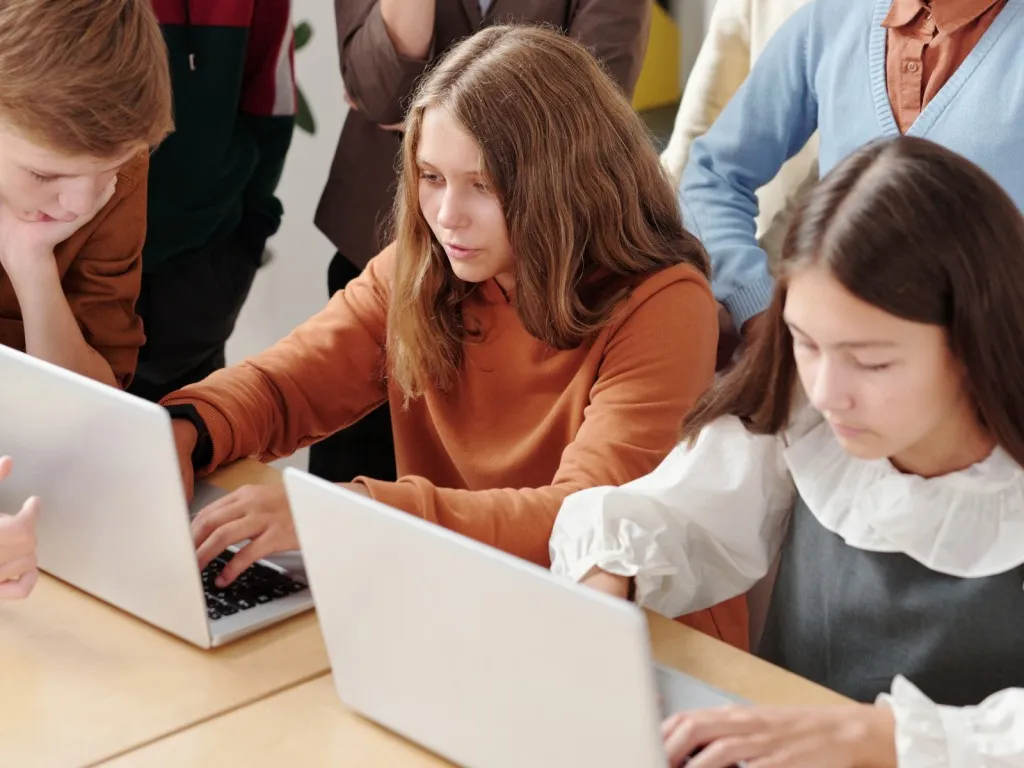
[588,207]
[84,77]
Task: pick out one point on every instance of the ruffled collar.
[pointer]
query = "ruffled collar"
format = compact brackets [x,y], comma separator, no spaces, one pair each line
[966,524]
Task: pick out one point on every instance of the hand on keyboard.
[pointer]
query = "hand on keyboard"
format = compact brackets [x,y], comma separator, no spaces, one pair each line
[850,736]
[259,584]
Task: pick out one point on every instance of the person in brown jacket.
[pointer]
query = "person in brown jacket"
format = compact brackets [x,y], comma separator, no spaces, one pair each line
[385,46]
[84,96]
[540,325]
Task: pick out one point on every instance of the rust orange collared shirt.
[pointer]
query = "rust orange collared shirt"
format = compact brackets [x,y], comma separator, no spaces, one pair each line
[926,43]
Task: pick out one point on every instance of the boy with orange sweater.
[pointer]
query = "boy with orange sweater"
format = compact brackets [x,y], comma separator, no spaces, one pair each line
[84,95]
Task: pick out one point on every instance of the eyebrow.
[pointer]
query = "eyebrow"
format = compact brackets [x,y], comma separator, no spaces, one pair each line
[860,344]
[427,164]
[49,175]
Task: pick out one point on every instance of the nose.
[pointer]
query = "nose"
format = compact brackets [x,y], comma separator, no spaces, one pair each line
[451,214]
[830,388]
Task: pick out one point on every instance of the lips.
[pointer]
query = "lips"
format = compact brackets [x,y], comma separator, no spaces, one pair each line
[460,251]
[846,431]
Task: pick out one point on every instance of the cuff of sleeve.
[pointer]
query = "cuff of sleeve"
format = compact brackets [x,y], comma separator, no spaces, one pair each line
[403,495]
[927,735]
[750,301]
[392,67]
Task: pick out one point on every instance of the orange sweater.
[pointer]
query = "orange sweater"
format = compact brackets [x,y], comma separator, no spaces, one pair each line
[101,270]
[525,425]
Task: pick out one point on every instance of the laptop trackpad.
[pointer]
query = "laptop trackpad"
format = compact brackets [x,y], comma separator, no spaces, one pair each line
[207,493]
[678,692]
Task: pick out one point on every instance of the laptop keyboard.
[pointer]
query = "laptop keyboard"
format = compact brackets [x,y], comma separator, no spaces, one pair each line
[257,585]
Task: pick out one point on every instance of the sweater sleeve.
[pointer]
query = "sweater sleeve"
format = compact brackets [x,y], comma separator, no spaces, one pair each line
[616,31]
[325,375]
[722,65]
[378,79]
[103,282]
[769,120]
[655,365]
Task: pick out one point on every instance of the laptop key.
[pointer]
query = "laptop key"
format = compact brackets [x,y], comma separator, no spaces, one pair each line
[213,613]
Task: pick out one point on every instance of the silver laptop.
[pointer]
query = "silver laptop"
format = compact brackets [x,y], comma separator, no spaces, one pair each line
[482,658]
[113,520]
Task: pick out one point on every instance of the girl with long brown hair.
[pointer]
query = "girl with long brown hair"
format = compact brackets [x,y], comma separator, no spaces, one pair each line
[874,435]
[537,326]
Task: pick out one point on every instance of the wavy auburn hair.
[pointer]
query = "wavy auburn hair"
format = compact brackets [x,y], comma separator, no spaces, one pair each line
[588,207]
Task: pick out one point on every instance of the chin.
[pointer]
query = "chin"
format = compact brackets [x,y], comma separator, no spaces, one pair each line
[471,273]
[867,447]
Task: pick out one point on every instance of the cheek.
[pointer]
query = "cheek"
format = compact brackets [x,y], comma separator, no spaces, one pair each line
[25,194]
[492,218]
[902,405]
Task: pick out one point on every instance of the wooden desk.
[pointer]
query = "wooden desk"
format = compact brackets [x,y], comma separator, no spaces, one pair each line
[307,725]
[81,681]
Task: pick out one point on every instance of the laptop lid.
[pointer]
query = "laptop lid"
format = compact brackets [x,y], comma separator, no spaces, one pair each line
[476,655]
[113,520]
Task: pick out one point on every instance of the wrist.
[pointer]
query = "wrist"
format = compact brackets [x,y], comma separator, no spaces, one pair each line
[610,583]
[880,744]
[186,436]
[30,271]
[191,434]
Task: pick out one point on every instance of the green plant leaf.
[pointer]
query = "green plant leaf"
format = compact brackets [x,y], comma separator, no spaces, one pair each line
[303,34]
[304,115]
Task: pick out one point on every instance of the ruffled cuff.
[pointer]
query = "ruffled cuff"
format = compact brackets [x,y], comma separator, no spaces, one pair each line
[990,735]
[582,541]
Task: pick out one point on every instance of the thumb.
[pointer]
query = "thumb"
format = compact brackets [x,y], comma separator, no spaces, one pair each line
[29,512]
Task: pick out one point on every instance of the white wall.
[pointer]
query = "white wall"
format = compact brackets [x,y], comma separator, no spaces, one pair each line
[294,285]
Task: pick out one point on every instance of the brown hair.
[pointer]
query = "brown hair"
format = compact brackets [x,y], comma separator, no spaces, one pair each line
[84,77]
[923,234]
[588,207]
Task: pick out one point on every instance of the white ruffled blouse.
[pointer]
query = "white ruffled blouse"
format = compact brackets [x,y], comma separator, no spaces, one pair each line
[706,525]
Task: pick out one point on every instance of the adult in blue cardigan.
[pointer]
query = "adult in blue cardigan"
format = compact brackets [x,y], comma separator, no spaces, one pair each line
[946,71]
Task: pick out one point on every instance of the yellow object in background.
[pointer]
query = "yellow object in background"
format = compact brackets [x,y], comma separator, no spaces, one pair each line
[658,85]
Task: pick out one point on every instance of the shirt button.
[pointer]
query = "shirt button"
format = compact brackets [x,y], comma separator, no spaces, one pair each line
[911,67]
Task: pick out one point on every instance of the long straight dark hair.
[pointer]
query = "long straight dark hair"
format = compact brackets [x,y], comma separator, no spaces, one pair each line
[923,234]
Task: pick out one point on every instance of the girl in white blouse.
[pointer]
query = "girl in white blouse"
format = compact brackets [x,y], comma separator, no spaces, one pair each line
[896,496]
[18,572]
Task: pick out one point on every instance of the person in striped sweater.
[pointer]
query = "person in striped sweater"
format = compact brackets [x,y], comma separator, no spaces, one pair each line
[212,202]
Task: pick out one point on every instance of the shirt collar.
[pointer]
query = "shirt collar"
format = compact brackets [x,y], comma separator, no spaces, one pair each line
[949,15]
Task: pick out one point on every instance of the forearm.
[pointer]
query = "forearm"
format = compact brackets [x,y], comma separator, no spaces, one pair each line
[410,25]
[515,520]
[51,331]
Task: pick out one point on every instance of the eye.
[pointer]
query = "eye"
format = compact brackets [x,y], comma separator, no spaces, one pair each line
[483,187]
[430,178]
[805,345]
[42,179]
[873,368]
